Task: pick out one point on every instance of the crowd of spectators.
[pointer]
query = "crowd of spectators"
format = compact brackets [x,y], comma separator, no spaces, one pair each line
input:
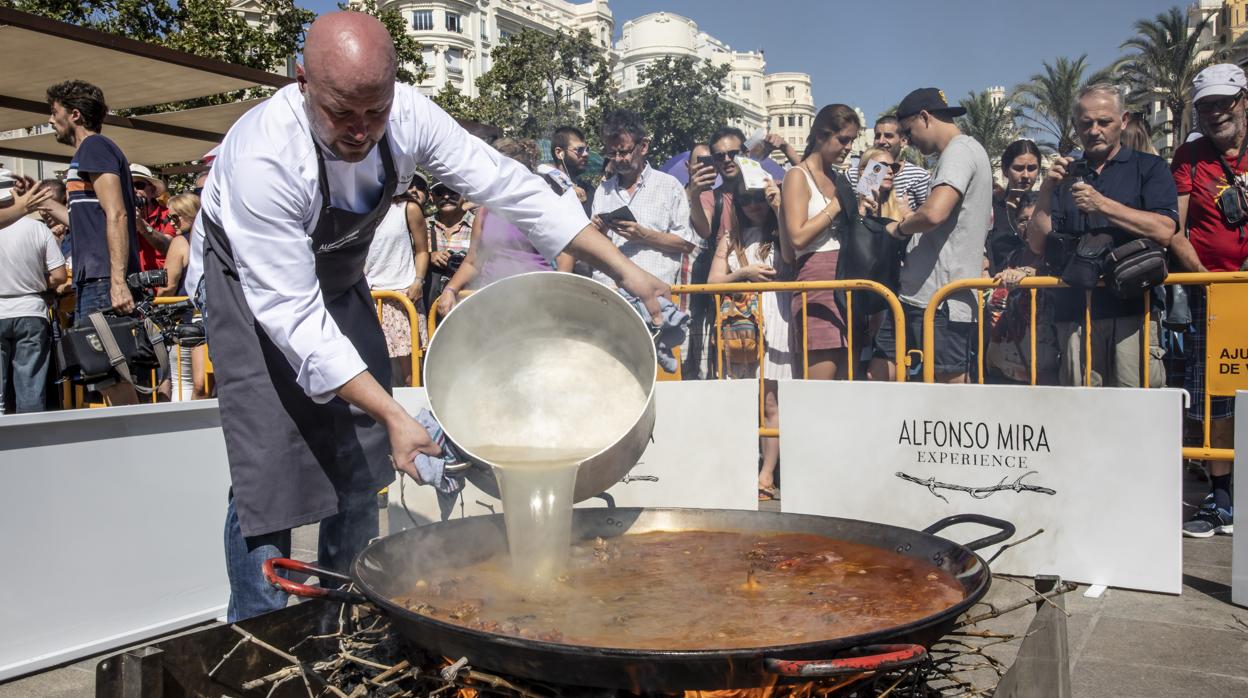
[951,215]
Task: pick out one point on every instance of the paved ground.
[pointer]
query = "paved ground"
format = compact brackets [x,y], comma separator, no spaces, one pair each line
[1127,644]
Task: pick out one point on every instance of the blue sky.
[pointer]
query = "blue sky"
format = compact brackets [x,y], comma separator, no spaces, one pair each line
[871,54]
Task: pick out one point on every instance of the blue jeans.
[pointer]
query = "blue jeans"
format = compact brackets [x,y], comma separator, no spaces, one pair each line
[342,536]
[89,296]
[25,354]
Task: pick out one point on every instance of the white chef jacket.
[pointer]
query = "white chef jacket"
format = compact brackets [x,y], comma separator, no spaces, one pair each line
[263,192]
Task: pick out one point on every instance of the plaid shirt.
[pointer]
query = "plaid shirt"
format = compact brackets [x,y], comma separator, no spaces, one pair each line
[658,202]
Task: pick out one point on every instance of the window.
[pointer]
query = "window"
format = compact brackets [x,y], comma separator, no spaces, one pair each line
[801,120]
[503,35]
[792,120]
[768,92]
[454,60]
[790,93]
[485,32]
[780,121]
[745,84]
[422,20]
[453,23]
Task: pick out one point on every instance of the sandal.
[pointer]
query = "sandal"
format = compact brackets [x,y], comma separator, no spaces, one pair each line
[768,494]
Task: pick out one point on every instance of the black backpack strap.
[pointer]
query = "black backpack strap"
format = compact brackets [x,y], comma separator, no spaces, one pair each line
[717,215]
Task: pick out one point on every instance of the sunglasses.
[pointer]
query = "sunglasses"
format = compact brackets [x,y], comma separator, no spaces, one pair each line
[444,193]
[726,155]
[1207,106]
[580,150]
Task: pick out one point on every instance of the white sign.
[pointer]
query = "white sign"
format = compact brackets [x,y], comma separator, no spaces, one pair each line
[1239,546]
[753,176]
[871,179]
[112,529]
[1096,469]
[704,455]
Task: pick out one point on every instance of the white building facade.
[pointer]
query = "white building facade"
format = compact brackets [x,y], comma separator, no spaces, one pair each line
[661,34]
[457,36]
[790,108]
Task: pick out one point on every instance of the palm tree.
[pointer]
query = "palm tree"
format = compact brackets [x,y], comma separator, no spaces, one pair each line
[1164,63]
[1047,102]
[989,121]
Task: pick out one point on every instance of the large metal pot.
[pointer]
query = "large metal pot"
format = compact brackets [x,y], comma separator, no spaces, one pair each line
[389,567]
[545,360]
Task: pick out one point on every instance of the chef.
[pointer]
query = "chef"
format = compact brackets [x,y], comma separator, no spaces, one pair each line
[294,195]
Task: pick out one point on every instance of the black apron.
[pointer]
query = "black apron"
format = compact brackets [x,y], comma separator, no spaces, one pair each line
[290,457]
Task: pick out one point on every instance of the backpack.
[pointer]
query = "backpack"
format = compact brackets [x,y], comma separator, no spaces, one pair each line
[740,324]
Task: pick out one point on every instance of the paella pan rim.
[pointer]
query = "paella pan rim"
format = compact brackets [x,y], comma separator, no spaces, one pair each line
[974,577]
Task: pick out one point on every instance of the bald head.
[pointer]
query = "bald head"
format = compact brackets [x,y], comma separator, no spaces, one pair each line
[346,50]
[347,78]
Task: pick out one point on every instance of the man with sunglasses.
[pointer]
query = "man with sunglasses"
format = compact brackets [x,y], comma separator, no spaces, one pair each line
[298,188]
[571,156]
[1210,174]
[151,220]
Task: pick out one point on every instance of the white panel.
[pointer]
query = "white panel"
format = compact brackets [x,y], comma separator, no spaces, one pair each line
[112,529]
[1110,456]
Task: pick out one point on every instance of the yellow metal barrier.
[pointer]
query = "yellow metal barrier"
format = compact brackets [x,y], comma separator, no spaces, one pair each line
[413,318]
[1041,282]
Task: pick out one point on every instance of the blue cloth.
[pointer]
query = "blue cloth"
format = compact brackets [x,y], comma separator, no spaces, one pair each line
[97,155]
[1133,179]
[432,469]
[668,336]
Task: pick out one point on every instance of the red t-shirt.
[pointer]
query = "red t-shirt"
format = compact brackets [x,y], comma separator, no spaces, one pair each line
[150,257]
[1220,247]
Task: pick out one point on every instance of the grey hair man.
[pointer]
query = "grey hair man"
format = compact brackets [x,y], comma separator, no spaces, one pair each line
[1123,193]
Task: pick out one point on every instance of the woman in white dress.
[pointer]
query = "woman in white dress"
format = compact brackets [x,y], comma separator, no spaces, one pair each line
[398,260]
[754,249]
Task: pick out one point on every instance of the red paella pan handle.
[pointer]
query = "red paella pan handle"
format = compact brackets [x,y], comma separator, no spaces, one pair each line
[869,658]
[277,581]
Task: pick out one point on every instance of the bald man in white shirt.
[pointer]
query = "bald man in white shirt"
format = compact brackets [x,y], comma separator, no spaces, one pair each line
[289,209]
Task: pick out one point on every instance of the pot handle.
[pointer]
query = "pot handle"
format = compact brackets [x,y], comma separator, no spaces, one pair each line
[277,581]
[866,658]
[1006,532]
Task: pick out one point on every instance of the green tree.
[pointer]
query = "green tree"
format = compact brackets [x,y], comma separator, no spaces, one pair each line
[1047,102]
[1163,63]
[412,69]
[681,102]
[456,103]
[537,80]
[989,121]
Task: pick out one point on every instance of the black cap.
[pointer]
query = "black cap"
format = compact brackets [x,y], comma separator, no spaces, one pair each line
[928,99]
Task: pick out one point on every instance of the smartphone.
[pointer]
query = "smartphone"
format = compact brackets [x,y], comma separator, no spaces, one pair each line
[707,160]
[620,214]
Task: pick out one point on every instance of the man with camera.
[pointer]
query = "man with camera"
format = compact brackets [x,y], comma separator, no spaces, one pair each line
[1211,174]
[152,222]
[1118,194]
[289,211]
[101,213]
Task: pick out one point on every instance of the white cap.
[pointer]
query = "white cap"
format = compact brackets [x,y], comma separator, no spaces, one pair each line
[142,172]
[1220,80]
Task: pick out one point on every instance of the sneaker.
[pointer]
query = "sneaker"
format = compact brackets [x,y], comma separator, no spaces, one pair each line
[1206,503]
[1209,522]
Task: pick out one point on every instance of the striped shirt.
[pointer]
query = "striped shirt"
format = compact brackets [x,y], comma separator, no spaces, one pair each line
[659,202]
[88,231]
[913,181]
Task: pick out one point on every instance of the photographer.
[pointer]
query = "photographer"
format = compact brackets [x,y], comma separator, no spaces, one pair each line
[1213,213]
[450,234]
[1126,195]
[101,215]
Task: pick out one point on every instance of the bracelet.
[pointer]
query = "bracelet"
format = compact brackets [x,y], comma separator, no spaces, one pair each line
[831,220]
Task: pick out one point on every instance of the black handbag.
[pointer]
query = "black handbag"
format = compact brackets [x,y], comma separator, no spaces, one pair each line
[867,252]
[1088,261]
[109,344]
[1135,267]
